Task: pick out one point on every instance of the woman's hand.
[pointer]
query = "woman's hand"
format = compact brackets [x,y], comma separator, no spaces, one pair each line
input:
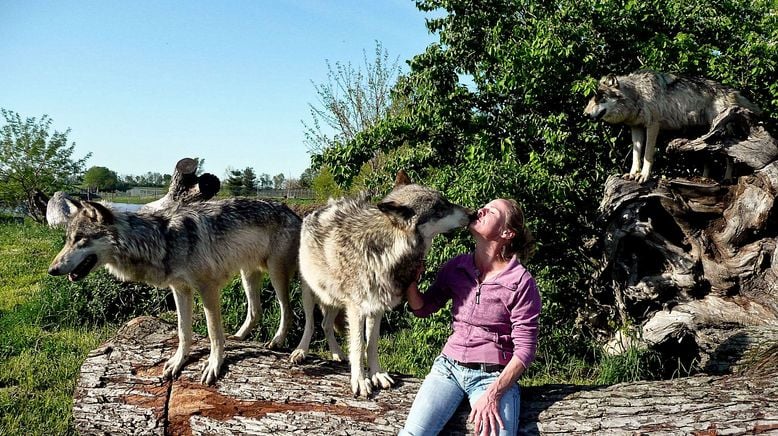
[485,414]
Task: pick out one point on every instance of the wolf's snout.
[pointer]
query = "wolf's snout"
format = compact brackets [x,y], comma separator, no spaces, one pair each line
[596,115]
[55,271]
[472,215]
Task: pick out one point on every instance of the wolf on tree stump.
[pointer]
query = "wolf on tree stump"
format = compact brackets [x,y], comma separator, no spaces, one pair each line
[690,263]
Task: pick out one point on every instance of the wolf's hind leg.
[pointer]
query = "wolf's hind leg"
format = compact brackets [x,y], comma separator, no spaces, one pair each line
[252,283]
[213,317]
[184,301]
[281,274]
[299,354]
[328,325]
[377,375]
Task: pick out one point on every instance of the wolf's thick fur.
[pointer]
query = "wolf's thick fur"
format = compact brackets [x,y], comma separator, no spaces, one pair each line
[361,257]
[195,247]
[648,101]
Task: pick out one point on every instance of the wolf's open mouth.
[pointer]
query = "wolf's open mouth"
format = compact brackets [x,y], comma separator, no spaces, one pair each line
[83,268]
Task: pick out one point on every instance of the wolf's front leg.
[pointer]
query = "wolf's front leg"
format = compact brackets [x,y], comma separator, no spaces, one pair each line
[652,131]
[638,144]
[376,374]
[184,300]
[213,318]
[360,384]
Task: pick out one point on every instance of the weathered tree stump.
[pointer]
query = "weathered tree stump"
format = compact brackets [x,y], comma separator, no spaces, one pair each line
[120,391]
[688,263]
[186,186]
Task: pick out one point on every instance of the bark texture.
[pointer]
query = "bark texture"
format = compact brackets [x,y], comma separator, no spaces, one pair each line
[120,391]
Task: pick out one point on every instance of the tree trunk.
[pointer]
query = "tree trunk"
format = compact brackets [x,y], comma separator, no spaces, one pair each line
[689,262]
[186,186]
[120,391]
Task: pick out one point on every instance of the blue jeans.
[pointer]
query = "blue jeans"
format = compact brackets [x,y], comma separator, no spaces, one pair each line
[442,391]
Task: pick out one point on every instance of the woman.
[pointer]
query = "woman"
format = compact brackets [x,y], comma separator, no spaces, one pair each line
[496,306]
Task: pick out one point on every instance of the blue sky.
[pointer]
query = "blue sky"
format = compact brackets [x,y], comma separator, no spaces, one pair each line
[142,84]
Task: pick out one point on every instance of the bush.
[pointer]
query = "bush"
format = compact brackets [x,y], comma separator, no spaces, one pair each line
[96,300]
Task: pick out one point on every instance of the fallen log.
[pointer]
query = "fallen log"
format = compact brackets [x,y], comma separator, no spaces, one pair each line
[120,391]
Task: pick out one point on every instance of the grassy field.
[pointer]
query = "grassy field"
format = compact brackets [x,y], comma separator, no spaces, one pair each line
[48,325]
[40,363]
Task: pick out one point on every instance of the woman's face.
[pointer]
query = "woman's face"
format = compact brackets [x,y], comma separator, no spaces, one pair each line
[491,220]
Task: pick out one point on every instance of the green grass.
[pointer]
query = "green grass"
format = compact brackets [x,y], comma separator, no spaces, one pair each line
[48,325]
[40,365]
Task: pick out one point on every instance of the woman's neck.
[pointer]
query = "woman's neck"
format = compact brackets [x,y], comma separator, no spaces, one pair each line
[488,260]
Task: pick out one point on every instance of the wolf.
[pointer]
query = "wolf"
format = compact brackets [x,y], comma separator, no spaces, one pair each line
[193,247]
[361,257]
[648,101]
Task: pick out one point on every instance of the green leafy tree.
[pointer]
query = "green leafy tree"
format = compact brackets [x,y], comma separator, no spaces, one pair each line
[352,100]
[249,181]
[100,179]
[265,182]
[324,185]
[306,178]
[235,182]
[278,181]
[34,159]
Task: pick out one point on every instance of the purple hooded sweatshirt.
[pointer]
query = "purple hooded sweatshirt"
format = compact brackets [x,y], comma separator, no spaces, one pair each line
[492,320]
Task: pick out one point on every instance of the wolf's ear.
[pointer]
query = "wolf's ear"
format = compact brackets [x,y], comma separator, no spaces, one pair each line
[610,81]
[396,209]
[402,179]
[97,212]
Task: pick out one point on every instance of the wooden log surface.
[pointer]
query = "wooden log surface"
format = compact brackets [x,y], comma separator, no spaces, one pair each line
[120,391]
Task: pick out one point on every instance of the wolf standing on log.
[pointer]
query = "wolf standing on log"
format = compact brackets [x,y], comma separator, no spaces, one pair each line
[361,257]
[648,101]
[194,247]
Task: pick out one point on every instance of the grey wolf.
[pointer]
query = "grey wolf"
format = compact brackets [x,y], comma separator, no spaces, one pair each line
[194,247]
[649,101]
[361,257]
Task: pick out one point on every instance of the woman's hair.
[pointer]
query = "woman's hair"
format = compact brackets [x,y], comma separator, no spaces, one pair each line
[523,243]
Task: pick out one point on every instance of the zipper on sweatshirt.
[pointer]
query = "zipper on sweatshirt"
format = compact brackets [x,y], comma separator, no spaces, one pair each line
[478,294]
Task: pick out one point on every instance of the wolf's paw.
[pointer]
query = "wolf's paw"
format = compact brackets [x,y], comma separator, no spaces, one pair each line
[237,337]
[338,356]
[173,366]
[382,379]
[642,178]
[297,356]
[361,387]
[211,370]
[274,344]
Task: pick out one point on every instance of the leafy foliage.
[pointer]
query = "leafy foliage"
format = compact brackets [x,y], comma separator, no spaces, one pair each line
[32,160]
[494,109]
[100,178]
[352,100]
[97,300]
